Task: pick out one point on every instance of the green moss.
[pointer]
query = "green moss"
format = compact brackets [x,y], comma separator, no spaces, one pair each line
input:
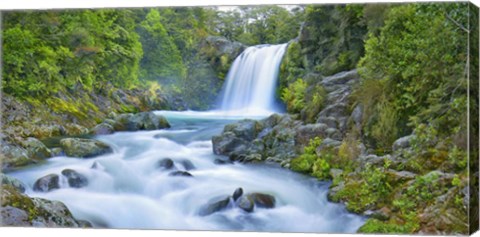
[374,226]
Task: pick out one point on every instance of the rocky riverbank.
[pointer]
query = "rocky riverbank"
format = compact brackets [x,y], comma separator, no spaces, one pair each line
[399,191]
[18,209]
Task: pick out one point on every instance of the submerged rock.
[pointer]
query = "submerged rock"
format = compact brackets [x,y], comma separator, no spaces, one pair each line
[215,205]
[47,183]
[75,179]
[166,163]
[84,148]
[180,173]
[188,165]
[222,162]
[245,203]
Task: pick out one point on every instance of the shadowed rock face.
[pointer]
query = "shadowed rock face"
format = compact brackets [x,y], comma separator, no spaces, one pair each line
[75,179]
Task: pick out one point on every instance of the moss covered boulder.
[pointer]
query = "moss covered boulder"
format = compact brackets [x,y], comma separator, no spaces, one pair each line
[140,121]
[18,209]
[84,148]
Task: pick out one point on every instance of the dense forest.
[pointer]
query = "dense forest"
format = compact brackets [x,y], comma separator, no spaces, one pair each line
[412,65]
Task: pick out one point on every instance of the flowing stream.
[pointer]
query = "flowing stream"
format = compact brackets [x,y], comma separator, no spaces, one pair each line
[128,189]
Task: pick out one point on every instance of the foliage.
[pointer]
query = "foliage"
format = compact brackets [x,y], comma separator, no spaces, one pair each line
[294,96]
[305,162]
[423,74]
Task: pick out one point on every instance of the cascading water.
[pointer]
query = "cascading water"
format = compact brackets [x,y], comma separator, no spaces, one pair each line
[128,189]
[251,81]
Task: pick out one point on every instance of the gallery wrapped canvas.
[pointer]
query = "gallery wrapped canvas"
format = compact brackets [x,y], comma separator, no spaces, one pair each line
[310,118]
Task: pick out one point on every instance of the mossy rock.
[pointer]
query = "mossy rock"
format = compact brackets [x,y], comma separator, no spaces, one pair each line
[18,209]
[84,148]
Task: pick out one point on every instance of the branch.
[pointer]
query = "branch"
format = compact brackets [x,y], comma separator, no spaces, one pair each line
[456,23]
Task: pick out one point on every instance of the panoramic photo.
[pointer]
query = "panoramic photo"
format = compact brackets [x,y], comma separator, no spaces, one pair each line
[323,118]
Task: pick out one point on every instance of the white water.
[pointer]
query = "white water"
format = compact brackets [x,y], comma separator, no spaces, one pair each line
[128,191]
[251,81]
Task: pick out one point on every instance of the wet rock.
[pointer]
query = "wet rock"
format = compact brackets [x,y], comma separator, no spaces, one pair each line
[75,179]
[103,129]
[47,183]
[84,148]
[36,212]
[246,129]
[140,121]
[36,149]
[187,165]
[262,200]
[215,205]
[226,143]
[245,203]
[57,151]
[180,174]
[149,121]
[222,162]
[166,163]
[237,193]
[402,143]
[13,156]
[15,183]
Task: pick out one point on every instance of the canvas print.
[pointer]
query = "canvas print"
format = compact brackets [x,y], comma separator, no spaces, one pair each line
[321,118]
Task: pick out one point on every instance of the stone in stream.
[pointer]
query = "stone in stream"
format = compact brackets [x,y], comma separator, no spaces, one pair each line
[215,205]
[238,193]
[245,203]
[47,183]
[262,200]
[180,173]
[222,162]
[84,148]
[188,165]
[103,129]
[75,179]
[166,163]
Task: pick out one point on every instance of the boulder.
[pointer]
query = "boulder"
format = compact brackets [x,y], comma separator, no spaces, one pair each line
[226,143]
[245,203]
[36,149]
[215,205]
[237,194]
[166,164]
[84,148]
[103,129]
[18,209]
[262,200]
[149,121]
[140,121]
[75,179]
[47,183]
[13,156]
[400,176]
[307,132]
[13,182]
[402,143]
[246,129]
[180,173]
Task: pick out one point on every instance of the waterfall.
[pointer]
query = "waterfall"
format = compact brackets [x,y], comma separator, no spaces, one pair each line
[252,78]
